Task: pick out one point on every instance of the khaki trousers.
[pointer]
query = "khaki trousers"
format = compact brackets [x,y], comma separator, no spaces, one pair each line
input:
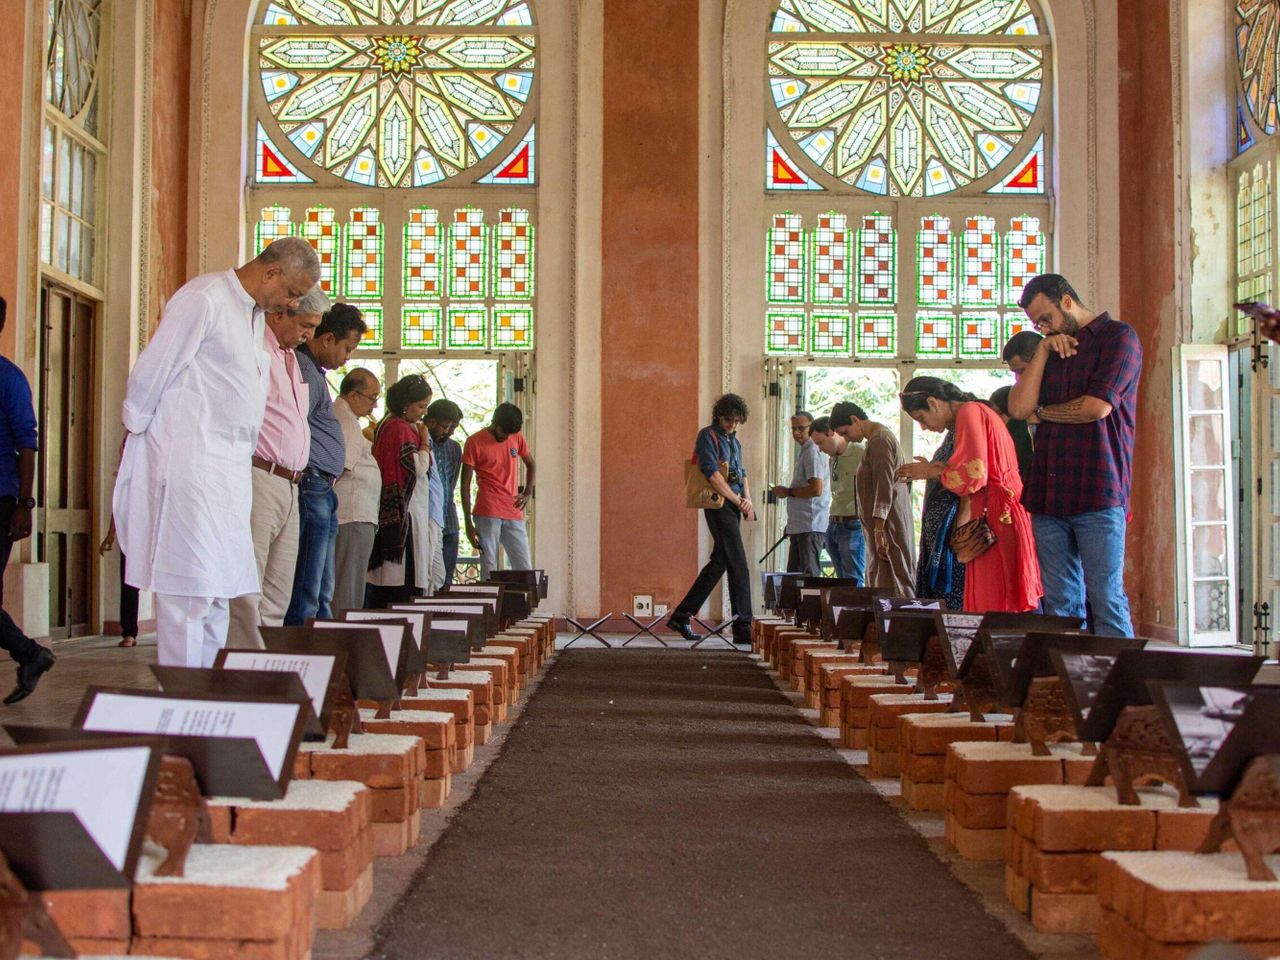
[275,547]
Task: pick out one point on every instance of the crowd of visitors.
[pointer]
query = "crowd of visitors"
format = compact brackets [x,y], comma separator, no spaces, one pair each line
[1026,498]
[247,496]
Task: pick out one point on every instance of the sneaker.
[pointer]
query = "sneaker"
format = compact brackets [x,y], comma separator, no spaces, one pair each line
[681,626]
[29,674]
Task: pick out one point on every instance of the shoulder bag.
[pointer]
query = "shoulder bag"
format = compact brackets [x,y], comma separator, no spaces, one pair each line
[698,492]
[971,540]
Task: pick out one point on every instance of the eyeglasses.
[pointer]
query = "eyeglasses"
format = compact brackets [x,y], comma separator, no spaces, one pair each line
[374,399]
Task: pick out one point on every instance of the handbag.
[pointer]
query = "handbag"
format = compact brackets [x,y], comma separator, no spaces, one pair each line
[971,540]
[698,492]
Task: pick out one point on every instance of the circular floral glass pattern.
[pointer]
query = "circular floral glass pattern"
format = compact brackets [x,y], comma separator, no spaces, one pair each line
[1258,57]
[396,93]
[907,97]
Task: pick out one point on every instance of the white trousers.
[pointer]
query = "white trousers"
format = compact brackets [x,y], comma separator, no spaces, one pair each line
[190,630]
[514,539]
[435,578]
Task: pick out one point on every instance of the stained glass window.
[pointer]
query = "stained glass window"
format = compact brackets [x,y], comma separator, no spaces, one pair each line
[785,331]
[1255,231]
[420,327]
[363,254]
[935,335]
[1258,59]
[468,255]
[320,229]
[513,255]
[877,334]
[934,262]
[273,225]
[371,313]
[468,327]
[512,327]
[71,68]
[1023,256]
[786,259]
[830,333]
[980,262]
[392,93]
[423,254]
[980,336]
[831,259]
[939,106]
[877,260]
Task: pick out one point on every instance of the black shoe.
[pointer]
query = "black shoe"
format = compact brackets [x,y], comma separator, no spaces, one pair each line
[682,627]
[29,674]
[742,639]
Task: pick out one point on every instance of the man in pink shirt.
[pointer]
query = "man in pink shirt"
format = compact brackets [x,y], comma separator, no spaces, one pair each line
[493,457]
[284,443]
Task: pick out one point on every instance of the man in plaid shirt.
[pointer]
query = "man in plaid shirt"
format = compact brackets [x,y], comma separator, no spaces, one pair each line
[1082,388]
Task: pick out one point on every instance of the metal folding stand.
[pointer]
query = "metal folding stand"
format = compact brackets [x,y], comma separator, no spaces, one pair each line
[587,631]
[715,632]
[642,629]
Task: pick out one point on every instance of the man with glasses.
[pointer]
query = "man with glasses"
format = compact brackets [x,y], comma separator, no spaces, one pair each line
[1082,388]
[358,488]
[808,501]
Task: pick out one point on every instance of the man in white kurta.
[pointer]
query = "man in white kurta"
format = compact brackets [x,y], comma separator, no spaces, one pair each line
[192,409]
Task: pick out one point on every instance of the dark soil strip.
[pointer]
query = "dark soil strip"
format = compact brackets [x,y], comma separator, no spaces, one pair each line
[655,804]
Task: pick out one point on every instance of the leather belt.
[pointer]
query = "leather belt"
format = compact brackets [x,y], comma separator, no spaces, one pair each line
[847,519]
[262,463]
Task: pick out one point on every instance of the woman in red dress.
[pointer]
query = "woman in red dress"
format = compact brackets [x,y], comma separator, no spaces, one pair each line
[983,472]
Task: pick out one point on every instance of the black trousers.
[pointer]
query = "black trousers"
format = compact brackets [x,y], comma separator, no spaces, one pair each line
[128,605]
[727,556]
[19,646]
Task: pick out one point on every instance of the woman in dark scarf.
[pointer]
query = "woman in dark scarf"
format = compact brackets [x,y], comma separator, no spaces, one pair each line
[939,576]
[402,448]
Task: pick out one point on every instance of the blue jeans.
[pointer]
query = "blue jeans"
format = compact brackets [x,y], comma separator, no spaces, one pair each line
[317,535]
[449,547]
[847,549]
[1084,556]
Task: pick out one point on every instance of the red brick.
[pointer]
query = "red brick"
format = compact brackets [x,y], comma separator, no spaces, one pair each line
[921,796]
[392,765]
[479,683]
[291,823]
[432,794]
[438,764]
[1060,872]
[978,811]
[1064,912]
[296,946]
[340,868]
[1017,890]
[91,914]
[393,839]
[998,767]
[393,805]
[975,844]
[336,909]
[435,729]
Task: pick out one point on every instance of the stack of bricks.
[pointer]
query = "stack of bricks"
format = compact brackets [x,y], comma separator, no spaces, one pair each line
[438,746]
[1169,905]
[855,702]
[1058,833]
[758,625]
[480,683]
[815,660]
[232,903]
[884,715]
[503,687]
[527,641]
[517,663]
[784,653]
[801,650]
[462,705]
[979,777]
[830,674]
[390,766]
[329,816]
[92,921]
[923,740]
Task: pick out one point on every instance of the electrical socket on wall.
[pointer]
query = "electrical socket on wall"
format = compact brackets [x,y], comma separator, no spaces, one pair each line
[659,609]
[641,605]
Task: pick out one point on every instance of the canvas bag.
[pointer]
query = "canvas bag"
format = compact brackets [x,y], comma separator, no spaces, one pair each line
[698,492]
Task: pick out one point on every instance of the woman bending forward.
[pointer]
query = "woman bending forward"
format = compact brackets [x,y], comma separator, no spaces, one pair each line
[983,472]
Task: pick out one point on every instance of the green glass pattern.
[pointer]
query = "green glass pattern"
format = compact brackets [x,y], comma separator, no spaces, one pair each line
[785,332]
[1023,256]
[877,261]
[420,326]
[423,255]
[513,256]
[980,263]
[468,256]
[785,261]
[831,265]
[1015,321]
[877,334]
[980,336]
[512,327]
[320,229]
[935,263]
[363,254]
[468,328]
[371,313]
[273,225]
[829,333]
[935,335]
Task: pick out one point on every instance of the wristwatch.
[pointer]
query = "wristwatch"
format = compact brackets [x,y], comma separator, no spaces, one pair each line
[27,503]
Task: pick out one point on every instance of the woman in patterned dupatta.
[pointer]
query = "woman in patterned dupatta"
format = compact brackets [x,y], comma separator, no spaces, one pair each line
[939,576]
[402,449]
[983,472]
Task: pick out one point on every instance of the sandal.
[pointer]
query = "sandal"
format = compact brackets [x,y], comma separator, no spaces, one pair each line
[128,642]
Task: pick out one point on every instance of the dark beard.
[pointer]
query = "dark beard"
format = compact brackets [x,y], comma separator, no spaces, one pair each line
[1068,324]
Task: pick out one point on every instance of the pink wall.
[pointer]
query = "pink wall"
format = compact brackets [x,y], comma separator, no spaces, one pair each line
[11,147]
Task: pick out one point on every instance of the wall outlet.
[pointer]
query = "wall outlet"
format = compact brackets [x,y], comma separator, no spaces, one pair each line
[641,605]
[659,609]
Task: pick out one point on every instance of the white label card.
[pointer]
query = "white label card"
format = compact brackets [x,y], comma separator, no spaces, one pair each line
[809,592]
[101,787]
[269,724]
[458,626]
[315,669]
[416,620]
[392,637]
[451,607]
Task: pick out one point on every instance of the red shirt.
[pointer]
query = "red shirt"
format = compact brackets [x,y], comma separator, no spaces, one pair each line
[497,467]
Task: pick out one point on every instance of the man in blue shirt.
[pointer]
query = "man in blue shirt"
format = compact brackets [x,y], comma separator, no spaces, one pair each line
[808,501]
[718,442]
[330,347]
[18,445]
[443,417]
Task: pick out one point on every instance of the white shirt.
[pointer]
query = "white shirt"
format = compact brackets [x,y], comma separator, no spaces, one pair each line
[360,486]
[193,408]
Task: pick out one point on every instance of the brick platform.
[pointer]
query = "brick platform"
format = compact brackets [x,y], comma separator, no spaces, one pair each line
[979,777]
[1166,905]
[884,713]
[855,700]
[830,676]
[460,703]
[481,685]
[438,732]
[922,751]
[1057,834]
[801,650]
[784,649]
[758,625]
[815,660]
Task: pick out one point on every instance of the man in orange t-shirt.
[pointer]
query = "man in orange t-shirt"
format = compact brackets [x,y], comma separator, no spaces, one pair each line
[493,457]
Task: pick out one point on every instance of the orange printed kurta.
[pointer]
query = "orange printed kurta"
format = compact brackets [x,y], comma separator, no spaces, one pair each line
[984,468]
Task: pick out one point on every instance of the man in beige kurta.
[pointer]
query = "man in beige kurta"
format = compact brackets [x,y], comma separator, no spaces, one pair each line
[883,502]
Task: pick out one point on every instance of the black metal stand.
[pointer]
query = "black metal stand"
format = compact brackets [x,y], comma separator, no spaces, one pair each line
[642,629]
[716,633]
[587,631]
